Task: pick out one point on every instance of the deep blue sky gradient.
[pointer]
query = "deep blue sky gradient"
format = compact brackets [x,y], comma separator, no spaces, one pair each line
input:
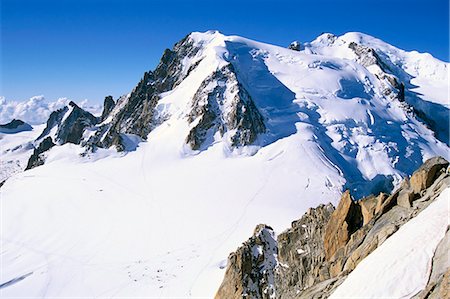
[88,49]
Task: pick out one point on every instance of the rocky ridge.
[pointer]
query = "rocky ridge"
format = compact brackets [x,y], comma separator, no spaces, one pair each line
[251,267]
[320,249]
[65,125]
[134,114]
[222,104]
[238,100]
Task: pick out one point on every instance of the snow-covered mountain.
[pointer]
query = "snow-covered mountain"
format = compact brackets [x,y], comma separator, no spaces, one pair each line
[226,132]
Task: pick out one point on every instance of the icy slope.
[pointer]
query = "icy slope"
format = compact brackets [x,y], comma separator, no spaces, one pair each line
[425,78]
[160,219]
[400,267]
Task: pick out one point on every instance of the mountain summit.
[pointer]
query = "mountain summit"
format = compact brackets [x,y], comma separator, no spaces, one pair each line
[370,111]
[226,132]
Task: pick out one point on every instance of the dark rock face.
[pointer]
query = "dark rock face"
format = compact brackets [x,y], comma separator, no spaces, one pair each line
[108,106]
[250,270]
[295,45]
[212,111]
[15,126]
[37,158]
[72,128]
[367,56]
[69,126]
[301,253]
[54,120]
[136,116]
[319,251]
[12,124]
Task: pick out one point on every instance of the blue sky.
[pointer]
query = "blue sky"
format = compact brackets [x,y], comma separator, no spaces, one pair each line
[89,49]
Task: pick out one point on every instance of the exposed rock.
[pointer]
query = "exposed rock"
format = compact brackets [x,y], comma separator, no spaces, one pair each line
[250,270]
[295,45]
[438,282]
[70,123]
[108,106]
[368,206]
[381,199]
[301,253]
[37,158]
[427,173]
[344,221]
[72,128]
[405,198]
[54,120]
[223,105]
[15,126]
[367,56]
[391,87]
[318,252]
[136,113]
[320,290]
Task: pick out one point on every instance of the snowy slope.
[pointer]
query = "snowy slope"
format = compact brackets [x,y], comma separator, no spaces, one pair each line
[400,267]
[160,220]
[15,149]
[428,74]
[426,79]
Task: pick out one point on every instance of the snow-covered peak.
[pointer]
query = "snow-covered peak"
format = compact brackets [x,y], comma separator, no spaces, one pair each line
[205,37]
[225,131]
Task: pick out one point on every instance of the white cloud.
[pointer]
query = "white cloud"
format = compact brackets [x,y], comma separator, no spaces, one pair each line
[37,109]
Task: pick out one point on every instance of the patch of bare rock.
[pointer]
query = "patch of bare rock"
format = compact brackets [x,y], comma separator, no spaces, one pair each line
[313,257]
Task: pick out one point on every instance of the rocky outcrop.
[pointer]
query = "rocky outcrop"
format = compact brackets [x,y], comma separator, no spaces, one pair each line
[65,125]
[54,120]
[250,270]
[15,126]
[223,105]
[72,128]
[301,253]
[319,251]
[346,219]
[368,57]
[38,156]
[427,174]
[69,123]
[439,281]
[108,106]
[136,113]
[295,45]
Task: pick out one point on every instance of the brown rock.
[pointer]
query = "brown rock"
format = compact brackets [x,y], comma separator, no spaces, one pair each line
[381,198]
[368,206]
[388,203]
[427,173]
[344,221]
[336,267]
[405,198]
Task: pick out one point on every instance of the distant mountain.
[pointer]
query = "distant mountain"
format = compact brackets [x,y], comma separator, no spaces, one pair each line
[369,110]
[15,126]
[150,197]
